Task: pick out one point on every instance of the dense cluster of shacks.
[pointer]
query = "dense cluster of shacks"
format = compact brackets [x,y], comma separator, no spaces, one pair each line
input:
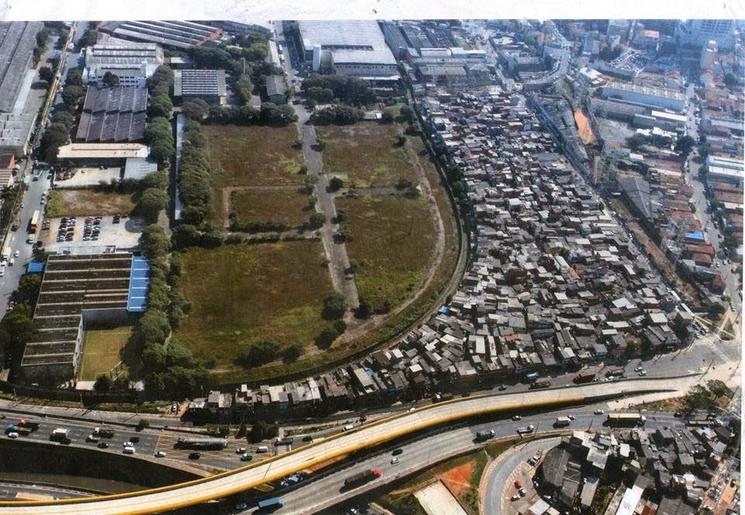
[554,282]
[666,470]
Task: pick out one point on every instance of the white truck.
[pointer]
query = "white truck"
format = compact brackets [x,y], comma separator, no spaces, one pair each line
[525,430]
[562,421]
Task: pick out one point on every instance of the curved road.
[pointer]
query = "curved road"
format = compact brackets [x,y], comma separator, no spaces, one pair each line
[232,482]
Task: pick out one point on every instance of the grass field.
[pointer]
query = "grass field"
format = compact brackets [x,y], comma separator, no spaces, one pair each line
[87,203]
[365,154]
[101,350]
[244,293]
[289,207]
[393,238]
[252,156]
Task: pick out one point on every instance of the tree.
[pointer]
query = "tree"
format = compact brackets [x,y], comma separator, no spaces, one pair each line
[151,202]
[684,145]
[333,307]
[28,289]
[335,184]
[364,310]
[102,384]
[89,38]
[160,105]
[258,354]
[154,327]
[46,74]
[262,430]
[292,352]
[162,151]
[154,242]
[407,113]
[325,338]
[718,388]
[195,109]
[316,220]
[387,117]
[636,141]
[730,80]
[74,77]
[696,398]
[110,80]
[71,95]
[142,424]
[64,118]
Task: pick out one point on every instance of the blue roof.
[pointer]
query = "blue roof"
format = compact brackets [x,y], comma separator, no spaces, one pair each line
[139,281]
[695,235]
[444,310]
[35,267]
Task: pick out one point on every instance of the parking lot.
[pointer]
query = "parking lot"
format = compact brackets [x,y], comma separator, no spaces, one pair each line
[86,233]
[86,177]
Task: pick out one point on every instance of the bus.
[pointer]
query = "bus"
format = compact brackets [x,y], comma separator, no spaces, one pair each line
[271,504]
[626,419]
[34,222]
[615,372]
[201,443]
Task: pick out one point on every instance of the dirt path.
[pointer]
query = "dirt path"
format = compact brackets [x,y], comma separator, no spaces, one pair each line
[335,252]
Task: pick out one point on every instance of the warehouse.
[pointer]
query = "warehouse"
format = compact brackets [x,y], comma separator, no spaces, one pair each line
[100,154]
[177,34]
[113,115]
[77,291]
[15,132]
[645,95]
[353,47]
[209,85]
[17,43]
[276,89]
[133,63]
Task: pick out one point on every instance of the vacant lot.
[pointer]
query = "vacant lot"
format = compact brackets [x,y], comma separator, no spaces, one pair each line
[366,154]
[88,203]
[101,350]
[244,293]
[289,207]
[393,238]
[252,156]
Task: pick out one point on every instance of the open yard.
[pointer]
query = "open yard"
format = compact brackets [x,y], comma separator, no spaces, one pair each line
[88,202]
[393,238]
[244,293]
[287,206]
[252,156]
[101,350]
[365,154]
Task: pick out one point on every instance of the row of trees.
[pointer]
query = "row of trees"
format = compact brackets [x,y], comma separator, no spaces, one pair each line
[336,114]
[168,367]
[349,90]
[269,114]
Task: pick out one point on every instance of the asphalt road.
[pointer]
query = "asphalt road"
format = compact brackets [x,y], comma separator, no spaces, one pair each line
[500,484]
[420,453]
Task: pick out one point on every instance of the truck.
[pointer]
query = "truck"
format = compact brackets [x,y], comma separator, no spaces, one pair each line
[33,223]
[59,435]
[543,383]
[585,376]
[626,419]
[363,477]
[271,504]
[562,421]
[103,432]
[615,372]
[485,435]
[525,430]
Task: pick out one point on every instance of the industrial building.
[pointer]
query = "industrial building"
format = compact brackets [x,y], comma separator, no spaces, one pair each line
[352,47]
[113,114]
[101,154]
[76,291]
[276,89]
[645,95]
[15,132]
[209,85]
[17,43]
[133,63]
[177,34]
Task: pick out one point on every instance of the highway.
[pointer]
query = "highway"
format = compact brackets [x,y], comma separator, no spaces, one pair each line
[423,452]
[242,479]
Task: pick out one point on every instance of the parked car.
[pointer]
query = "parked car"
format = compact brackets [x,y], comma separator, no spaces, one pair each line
[195,456]
[160,454]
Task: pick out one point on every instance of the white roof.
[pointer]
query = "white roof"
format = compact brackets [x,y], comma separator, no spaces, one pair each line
[350,41]
[103,150]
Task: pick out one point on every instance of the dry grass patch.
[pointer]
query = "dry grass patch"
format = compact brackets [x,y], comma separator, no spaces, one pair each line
[365,154]
[393,239]
[88,203]
[101,351]
[289,207]
[244,293]
[252,156]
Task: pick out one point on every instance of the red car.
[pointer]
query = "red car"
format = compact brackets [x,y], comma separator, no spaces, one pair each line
[518,484]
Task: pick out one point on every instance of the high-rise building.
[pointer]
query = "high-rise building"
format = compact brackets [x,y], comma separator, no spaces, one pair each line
[699,32]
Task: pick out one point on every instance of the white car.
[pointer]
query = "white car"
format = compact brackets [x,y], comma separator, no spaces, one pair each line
[394,461]
[598,412]
[638,369]
[129,450]
[160,454]
[13,435]
[642,373]
[16,253]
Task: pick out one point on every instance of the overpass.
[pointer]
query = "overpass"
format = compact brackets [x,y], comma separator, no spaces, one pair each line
[232,482]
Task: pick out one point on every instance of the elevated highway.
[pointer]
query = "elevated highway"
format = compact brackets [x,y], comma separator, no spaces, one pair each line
[238,480]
